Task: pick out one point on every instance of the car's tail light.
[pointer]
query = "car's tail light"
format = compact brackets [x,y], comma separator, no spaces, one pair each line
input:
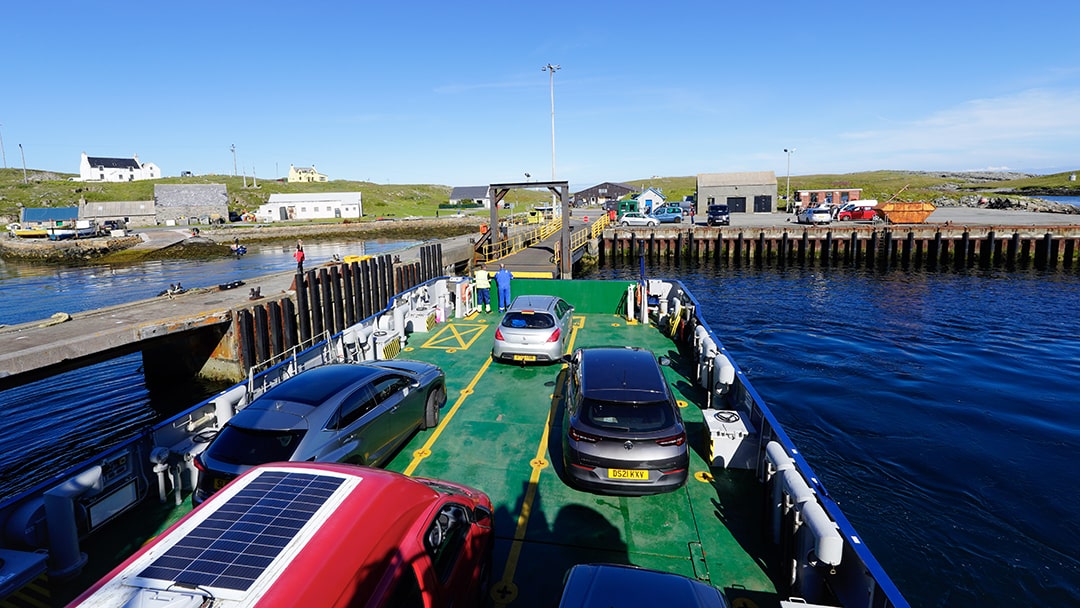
[554,335]
[197,461]
[577,435]
[498,334]
[675,440]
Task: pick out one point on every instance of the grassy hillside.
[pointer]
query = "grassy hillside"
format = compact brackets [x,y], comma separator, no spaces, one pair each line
[51,189]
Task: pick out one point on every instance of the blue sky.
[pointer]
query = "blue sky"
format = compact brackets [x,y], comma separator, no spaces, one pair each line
[453,93]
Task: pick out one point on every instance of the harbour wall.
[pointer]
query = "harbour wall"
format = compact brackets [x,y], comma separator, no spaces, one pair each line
[908,247]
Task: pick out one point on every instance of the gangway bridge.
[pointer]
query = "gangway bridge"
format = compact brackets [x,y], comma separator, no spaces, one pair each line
[537,251]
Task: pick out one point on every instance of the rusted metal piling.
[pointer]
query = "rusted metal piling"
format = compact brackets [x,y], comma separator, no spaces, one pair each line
[328,299]
[935,249]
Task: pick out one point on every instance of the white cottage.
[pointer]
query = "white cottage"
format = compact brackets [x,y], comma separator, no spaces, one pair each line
[311,206]
[104,169]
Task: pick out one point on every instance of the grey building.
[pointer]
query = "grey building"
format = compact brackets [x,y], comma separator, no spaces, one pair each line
[602,193]
[132,213]
[186,204]
[748,192]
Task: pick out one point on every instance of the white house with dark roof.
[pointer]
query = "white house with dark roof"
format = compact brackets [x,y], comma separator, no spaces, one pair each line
[311,206]
[470,195]
[105,169]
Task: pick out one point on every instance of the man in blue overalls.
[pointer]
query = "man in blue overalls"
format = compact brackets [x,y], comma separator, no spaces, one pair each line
[502,281]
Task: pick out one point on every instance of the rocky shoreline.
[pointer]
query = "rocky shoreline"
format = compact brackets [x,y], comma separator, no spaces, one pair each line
[214,241]
[1009,202]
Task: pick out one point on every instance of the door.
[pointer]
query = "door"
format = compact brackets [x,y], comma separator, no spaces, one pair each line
[283,213]
[357,430]
[763,204]
[736,204]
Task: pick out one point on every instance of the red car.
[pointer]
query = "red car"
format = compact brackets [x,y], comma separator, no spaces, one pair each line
[858,213]
[316,534]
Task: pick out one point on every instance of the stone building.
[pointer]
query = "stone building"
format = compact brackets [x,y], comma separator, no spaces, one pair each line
[187,204]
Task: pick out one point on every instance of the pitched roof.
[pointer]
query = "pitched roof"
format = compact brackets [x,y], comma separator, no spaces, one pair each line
[746,178]
[470,192]
[112,163]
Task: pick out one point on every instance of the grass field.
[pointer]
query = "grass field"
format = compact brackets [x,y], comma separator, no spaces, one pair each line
[52,189]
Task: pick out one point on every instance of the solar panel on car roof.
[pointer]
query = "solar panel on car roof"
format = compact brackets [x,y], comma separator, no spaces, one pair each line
[236,543]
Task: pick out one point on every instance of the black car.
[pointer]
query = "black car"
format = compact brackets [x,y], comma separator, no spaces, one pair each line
[624,433]
[718,215]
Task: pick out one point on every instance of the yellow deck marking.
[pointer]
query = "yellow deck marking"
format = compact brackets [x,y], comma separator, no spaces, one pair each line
[455,336]
[425,450]
[505,591]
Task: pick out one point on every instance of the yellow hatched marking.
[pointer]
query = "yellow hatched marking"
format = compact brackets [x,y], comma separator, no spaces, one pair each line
[505,591]
[454,336]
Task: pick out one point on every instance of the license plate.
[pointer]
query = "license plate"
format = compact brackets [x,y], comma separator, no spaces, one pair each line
[524,357]
[220,483]
[627,474]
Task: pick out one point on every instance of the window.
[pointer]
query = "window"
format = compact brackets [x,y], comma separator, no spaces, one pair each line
[813,197]
[354,408]
[446,537]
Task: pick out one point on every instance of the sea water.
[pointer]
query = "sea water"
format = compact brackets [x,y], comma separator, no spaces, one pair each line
[939,409]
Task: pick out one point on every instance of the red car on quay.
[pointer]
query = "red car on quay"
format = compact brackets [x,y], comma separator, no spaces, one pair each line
[857,214]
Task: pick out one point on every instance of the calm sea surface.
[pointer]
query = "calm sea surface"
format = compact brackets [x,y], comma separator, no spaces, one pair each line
[939,409]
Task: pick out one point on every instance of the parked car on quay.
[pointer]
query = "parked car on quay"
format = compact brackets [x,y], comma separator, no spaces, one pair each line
[857,214]
[718,215]
[535,328]
[316,534]
[637,218]
[668,215]
[358,413]
[623,431]
[815,215]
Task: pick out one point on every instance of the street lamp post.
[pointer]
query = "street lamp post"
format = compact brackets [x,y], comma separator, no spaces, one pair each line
[233,148]
[2,152]
[787,197]
[550,69]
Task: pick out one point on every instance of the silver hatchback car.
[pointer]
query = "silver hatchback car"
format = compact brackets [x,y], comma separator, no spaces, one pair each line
[623,431]
[534,329]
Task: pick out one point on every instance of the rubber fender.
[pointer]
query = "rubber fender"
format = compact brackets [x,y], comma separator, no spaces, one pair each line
[828,543]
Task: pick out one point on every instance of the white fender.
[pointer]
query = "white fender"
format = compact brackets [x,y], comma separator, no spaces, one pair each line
[828,544]
[723,374]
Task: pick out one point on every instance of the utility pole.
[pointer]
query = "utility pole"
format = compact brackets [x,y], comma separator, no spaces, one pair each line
[787,197]
[23,164]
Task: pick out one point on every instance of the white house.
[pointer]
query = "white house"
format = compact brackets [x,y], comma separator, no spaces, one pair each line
[650,199]
[102,169]
[310,206]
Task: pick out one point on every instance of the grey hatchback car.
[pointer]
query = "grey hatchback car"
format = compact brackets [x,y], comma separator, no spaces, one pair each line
[359,413]
[535,328]
[623,431]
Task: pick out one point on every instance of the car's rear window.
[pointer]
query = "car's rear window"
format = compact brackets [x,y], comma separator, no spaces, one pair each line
[633,417]
[528,320]
[238,445]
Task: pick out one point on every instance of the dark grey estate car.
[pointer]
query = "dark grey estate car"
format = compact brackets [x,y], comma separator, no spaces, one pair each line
[357,413]
[624,433]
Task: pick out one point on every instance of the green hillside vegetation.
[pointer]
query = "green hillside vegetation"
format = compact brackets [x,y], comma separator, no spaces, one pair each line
[51,189]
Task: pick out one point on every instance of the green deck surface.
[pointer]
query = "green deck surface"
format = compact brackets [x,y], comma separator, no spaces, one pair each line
[500,432]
